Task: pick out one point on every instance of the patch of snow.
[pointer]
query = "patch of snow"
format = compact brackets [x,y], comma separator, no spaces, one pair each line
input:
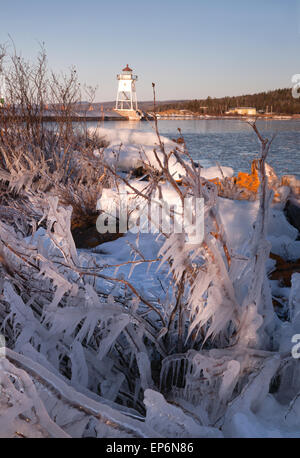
[127,148]
[214,172]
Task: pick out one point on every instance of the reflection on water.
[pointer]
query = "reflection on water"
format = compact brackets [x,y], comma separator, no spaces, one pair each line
[230,142]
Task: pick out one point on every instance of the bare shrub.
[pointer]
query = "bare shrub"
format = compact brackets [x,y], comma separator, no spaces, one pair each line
[39,156]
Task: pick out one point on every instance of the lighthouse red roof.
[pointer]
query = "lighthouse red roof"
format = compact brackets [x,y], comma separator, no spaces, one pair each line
[127,69]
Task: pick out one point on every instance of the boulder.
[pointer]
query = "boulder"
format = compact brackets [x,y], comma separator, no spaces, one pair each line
[292,182]
[284,270]
[89,237]
[245,186]
[86,235]
[292,211]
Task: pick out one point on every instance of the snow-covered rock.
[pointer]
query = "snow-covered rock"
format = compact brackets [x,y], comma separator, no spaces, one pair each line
[128,149]
[217,172]
[171,421]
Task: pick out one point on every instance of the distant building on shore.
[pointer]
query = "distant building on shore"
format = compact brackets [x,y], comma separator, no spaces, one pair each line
[242,111]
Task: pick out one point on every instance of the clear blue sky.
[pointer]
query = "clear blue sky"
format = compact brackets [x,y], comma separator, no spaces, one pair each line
[189,48]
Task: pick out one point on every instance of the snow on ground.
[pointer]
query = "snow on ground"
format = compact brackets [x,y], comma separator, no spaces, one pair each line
[127,148]
[238,218]
[270,419]
[268,422]
[217,172]
[145,276]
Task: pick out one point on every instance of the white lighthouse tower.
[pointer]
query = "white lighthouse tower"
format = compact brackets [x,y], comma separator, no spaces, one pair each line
[126,103]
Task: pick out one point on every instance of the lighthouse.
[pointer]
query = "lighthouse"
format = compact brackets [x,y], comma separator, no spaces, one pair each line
[126,103]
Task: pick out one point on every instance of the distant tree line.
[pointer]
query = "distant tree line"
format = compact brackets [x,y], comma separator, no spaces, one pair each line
[279,101]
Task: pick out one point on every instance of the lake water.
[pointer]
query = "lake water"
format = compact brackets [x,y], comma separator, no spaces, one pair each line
[230,142]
